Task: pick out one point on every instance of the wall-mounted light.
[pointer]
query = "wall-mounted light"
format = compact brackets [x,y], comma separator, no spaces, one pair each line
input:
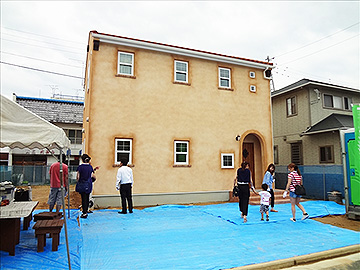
[317,93]
[87,119]
[237,138]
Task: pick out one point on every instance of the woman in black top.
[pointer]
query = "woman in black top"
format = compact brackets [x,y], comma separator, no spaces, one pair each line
[244,181]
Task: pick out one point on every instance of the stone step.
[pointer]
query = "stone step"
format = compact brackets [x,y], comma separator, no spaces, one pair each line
[255,199]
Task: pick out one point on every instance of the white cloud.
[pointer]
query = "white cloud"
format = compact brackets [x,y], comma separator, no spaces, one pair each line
[240,28]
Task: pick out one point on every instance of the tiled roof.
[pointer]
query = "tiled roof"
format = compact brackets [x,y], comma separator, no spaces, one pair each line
[332,122]
[305,82]
[54,110]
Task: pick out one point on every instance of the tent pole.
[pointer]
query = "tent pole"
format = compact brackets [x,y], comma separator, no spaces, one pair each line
[68,185]
[63,203]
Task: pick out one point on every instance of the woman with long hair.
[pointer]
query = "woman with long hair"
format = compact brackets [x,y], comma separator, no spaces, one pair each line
[294,178]
[244,181]
[269,180]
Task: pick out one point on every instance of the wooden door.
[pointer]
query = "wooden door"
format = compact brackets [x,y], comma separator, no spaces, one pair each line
[248,156]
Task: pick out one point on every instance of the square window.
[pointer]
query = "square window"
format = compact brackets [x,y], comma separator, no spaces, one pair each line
[252,88]
[125,63]
[224,78]
[181,71]
[123,150]
[326,154]
[252,74]
[181,152]
[227,161]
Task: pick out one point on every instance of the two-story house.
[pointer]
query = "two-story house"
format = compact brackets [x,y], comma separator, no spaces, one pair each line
[184,118]
[307,117]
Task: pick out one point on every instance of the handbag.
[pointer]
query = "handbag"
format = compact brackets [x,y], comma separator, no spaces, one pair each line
[300,190]
[235,191]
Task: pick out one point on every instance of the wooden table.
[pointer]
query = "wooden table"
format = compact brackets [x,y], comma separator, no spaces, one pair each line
[10,223]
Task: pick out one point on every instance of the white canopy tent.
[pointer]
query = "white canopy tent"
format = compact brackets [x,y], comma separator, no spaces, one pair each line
[20,128]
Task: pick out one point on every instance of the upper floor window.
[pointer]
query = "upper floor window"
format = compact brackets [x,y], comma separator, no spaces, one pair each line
[291,106]
[123,150]
[125,63]
[337,102]
[181,71]
[181,152]
[227,161]
[252,74]
[224,77]
[75,136]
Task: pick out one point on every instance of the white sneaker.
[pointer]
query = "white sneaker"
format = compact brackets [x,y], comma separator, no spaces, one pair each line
[305,216]
[293,219]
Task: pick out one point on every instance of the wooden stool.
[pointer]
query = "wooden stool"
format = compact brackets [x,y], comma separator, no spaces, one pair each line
[48,215]
[42,227]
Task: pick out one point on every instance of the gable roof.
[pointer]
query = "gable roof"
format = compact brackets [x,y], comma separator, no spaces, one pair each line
[332,122]
[54,110]
[306,82]
[150,45]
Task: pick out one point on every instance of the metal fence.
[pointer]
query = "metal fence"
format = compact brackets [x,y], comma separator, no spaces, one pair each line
[35,175]
[317,179]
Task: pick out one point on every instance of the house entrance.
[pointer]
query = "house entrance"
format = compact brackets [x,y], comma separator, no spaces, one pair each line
[251,153]
[248,156]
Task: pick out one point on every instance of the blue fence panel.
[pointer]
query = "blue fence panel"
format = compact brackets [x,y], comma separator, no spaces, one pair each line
[318,180]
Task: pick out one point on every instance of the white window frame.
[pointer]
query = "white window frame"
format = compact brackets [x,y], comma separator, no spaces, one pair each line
[186,153]
[129,152]
[252,74]
[222,161]
[182,72]
[289,106]
[253,88]
[225,78]
[126,64]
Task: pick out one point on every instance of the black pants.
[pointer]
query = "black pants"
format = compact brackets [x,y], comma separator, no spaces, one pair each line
[85,202]
[272,198]
[125,193]
[244,194]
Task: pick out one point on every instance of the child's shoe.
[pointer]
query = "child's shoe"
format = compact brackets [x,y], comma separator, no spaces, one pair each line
[267,217]
[293,219]
[305,216]
[262,219]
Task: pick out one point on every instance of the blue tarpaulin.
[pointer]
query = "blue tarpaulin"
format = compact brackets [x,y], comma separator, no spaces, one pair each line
[184,237]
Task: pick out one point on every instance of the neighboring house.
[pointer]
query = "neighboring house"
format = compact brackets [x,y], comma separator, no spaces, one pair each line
[184,118]
[66,114]
[307,117]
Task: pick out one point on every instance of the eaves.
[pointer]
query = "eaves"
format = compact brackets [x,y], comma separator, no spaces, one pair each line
[159,47]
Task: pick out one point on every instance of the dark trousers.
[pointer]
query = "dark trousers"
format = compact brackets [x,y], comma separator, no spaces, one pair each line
[272,198]
[85,202]
[244,194]
[125,193]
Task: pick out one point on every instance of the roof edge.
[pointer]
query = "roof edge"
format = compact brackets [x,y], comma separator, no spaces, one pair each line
[150,45]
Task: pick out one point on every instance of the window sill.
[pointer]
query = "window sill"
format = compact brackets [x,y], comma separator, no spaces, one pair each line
[182,83]
[118,165]
[125,76]
[181,166]
[226,89]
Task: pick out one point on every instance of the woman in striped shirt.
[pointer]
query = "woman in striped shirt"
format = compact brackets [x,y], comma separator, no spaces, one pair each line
[294,178]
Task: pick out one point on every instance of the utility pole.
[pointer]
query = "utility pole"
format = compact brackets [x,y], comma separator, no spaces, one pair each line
[268,59]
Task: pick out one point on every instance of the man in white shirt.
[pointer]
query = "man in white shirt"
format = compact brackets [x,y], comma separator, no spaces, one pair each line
[124,181]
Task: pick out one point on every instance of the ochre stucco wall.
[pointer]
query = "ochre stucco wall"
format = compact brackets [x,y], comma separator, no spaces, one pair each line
[154,111]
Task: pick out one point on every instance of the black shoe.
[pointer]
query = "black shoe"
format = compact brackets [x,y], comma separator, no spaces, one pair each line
[121,212]
[131,212]
[90,212]
[83,215]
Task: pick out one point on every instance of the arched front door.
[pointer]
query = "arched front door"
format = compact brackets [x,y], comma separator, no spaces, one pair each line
[252,153]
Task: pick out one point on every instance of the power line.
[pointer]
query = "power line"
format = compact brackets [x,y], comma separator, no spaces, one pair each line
[41,35]
[47,61]
[56,44]
[319,50]
[39,46]
[41,70]
[318,40]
